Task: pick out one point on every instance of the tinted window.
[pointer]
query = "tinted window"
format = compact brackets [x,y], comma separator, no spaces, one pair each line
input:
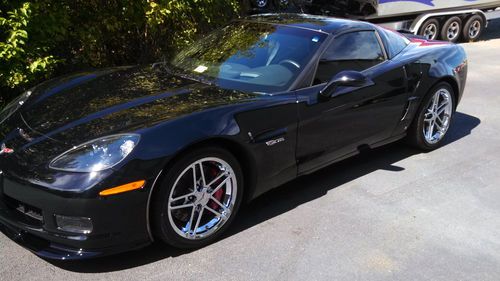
[394,41]
[255,57]
[352,51]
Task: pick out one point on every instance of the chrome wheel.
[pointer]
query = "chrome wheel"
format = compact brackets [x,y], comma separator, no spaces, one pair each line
[453,31]
[474,29]
[202,198]
[438,115]
[261,3]
[430,31]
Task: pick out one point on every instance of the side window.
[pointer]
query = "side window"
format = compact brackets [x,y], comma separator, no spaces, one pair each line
[351,51]
[394,41]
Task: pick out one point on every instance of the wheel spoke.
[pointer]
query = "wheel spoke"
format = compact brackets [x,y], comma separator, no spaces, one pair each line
[181,197]
[202,174]
[218,203]
[442,108]
[440,128]
[195,181]
[430,130]
[181,206]
[217,178]
[441,121]
[200,214]
[190,223]
[435,101]
[219,186]
[216,213]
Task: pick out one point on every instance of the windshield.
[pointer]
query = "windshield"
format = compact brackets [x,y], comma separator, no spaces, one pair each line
[248,56]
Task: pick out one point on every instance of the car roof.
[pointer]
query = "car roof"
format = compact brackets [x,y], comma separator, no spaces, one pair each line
[319,23]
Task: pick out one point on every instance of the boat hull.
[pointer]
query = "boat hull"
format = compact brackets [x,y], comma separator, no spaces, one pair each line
[395,8]
[383,9]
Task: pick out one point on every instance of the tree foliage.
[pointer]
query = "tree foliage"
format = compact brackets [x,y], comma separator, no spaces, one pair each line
[44,38]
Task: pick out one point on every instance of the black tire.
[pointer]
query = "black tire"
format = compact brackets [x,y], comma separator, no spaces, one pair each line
[415,134]
[430,26]
[452,29]
[161,226]
[473,28]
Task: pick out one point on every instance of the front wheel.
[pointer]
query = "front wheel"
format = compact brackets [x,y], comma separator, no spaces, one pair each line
[198,198]
[433,120]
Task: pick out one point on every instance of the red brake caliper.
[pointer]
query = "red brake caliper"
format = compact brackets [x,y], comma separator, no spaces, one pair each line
[218,194]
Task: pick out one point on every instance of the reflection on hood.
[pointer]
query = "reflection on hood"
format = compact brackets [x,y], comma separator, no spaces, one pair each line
[118,99]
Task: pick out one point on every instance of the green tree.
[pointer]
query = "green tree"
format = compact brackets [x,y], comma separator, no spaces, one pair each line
[40,39]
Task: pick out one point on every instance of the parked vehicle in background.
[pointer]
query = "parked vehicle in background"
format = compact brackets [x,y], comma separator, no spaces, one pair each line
[449,20]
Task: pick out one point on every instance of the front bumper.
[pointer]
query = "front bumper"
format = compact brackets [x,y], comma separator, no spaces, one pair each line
[42,247]
[120,222]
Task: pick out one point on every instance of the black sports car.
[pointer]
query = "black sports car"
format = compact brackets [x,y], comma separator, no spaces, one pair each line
[103,162]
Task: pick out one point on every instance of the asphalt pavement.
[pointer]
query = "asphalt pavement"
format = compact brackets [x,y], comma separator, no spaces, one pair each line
[390,214]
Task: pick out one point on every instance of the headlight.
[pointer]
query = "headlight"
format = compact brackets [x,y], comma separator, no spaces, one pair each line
[97,155]
[13,106]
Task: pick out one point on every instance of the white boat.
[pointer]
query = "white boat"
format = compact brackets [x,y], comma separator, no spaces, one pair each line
[383,9]
[451,20]
[395,8]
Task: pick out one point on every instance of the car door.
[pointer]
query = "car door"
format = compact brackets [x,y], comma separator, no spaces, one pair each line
[354,116]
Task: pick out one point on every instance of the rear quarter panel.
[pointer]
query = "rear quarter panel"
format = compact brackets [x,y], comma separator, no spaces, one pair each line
[441,60]
[428,63]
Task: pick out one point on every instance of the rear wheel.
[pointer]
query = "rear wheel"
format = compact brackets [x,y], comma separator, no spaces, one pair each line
[433,120]
[473,28]
[430,29]
[198,198]
[452,29]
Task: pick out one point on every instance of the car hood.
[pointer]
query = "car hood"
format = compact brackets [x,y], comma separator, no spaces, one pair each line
[89,105]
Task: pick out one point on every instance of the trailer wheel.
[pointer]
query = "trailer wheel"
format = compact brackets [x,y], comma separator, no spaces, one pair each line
[451,30]
[473,28]
[429,29]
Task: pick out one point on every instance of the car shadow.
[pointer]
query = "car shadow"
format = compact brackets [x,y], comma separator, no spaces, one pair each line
[281,199]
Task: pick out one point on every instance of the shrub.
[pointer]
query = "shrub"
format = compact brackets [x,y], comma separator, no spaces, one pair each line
[44,38]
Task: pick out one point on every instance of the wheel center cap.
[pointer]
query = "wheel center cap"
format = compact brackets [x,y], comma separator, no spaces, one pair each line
[434,115]
[202,197]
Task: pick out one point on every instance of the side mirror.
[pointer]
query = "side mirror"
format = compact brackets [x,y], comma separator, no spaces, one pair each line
[348,78]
